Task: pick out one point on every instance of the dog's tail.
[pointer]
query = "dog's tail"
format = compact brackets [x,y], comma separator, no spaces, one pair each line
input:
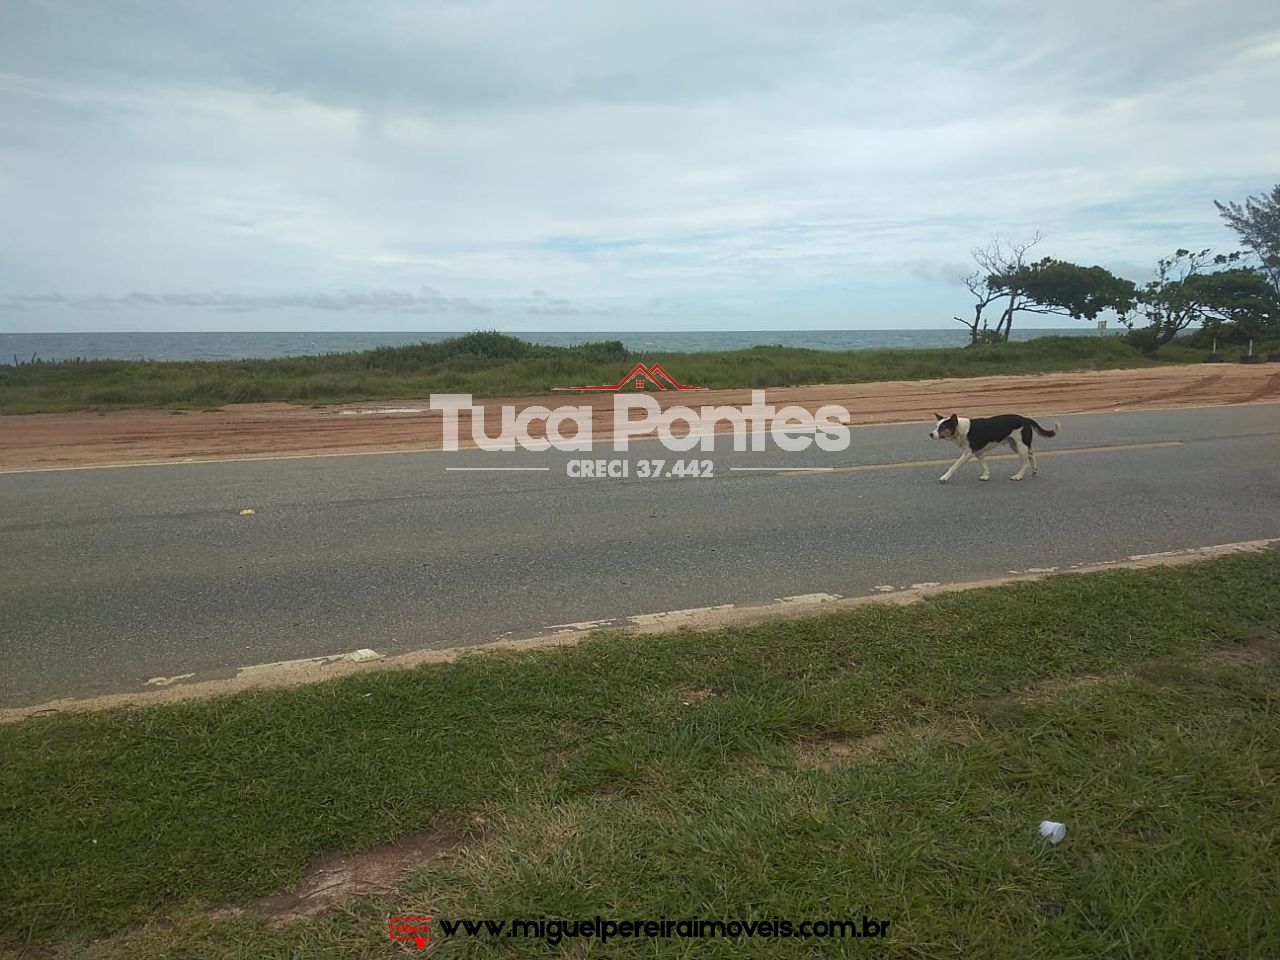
[1057,428]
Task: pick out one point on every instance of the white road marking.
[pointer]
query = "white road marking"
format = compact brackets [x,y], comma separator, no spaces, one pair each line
[355,656]
[360,413]
[1149,556]
[808,598]
[580,625]
[669,616]
[909,464]
[165,681]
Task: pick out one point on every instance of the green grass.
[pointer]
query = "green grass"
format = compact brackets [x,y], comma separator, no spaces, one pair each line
[673,775]
[490,364]
[1180,351]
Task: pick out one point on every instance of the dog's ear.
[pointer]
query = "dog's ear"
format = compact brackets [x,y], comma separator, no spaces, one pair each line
[936,417]
[953,417]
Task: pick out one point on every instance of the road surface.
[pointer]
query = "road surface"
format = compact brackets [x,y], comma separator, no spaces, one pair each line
[110,577]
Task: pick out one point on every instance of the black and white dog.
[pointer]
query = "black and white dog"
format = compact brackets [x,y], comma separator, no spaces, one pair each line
[976,437]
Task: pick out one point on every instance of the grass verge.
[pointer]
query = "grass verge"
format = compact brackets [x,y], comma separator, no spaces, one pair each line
[490,364]
[888,761]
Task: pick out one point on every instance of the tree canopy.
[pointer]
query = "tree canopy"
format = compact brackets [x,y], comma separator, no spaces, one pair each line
[1066,289]
[1186,293]
[1046,286]
[1257,222]
[1219,293]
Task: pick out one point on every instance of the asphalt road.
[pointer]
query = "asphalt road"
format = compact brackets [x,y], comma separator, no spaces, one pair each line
[109,577]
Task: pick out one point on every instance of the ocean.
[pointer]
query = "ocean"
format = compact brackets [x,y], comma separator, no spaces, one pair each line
[232,346]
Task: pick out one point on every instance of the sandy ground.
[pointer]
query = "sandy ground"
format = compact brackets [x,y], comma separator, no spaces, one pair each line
[36,441]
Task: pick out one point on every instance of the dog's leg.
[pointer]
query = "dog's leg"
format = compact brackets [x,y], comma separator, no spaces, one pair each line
[982,462]
[960,462]
[1024,453]
[1031,455]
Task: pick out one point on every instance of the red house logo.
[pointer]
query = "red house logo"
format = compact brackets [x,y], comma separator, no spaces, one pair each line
[417,929]
[642,377]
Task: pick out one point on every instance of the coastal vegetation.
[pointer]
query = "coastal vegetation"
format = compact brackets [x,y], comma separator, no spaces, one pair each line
[1231,297]
[495,365]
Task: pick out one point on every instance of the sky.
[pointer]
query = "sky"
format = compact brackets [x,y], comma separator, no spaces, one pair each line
[524,165]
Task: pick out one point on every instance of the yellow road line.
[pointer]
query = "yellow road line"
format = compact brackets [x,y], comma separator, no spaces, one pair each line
[602,441]
[909,464]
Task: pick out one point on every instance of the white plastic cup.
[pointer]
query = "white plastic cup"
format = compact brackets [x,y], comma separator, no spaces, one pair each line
[1056,832]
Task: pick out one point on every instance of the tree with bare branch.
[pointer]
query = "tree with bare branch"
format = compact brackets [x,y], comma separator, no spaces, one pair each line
[1047,286]
[1002,260]
[983,297]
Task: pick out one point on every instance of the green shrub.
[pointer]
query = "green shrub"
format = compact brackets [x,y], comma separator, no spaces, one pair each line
[488,364]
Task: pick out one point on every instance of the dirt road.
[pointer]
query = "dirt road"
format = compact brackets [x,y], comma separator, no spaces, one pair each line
[35,441]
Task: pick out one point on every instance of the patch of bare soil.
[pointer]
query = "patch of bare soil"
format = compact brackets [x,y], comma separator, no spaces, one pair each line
[337,877]
[824,754]
[45,440]
[1046,691]
[688,696]
[1257,652]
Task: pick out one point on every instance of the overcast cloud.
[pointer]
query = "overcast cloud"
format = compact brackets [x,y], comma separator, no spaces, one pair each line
[530,165]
